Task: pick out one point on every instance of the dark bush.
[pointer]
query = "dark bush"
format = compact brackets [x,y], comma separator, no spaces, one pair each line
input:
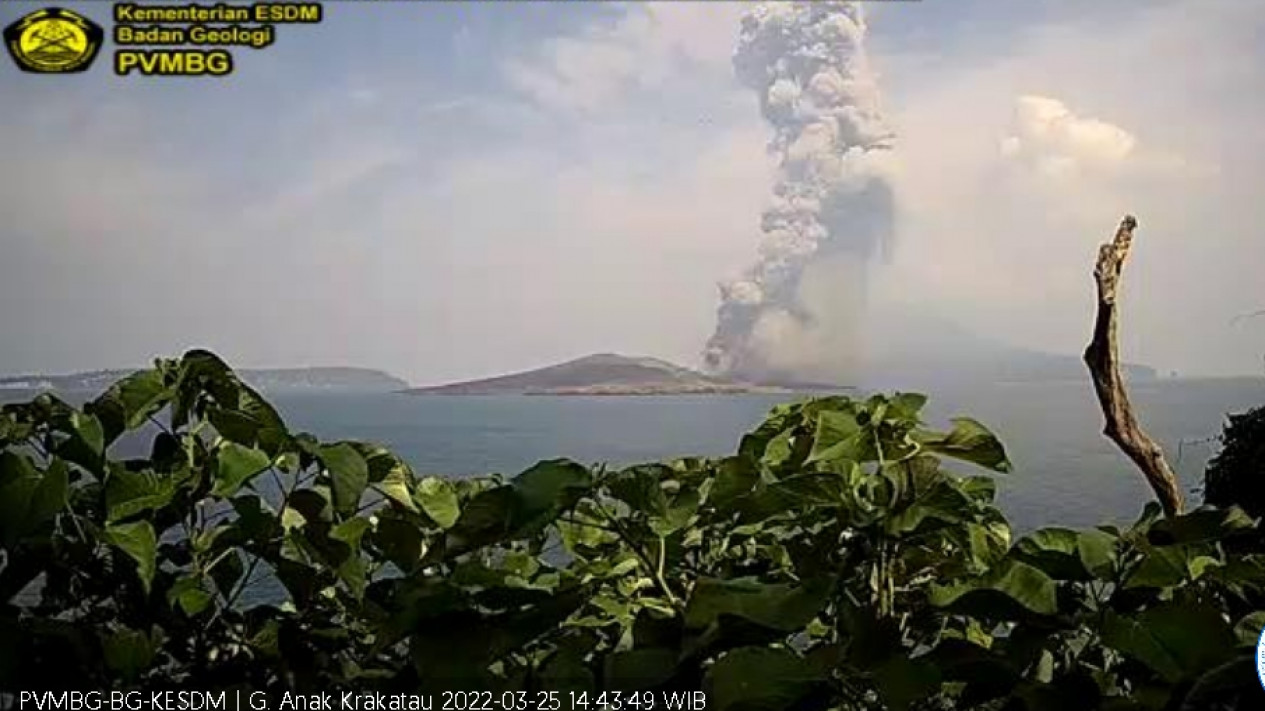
[1236,475]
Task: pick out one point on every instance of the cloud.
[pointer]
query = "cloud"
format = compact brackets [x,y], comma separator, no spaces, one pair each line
[1053,140]
[590,198]
[1015,167]
[645,48]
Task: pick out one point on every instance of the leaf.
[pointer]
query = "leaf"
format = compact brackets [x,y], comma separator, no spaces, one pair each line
[1055,551]
[840,436]
[969,441]
[128,653]
[902,682]
[1161,568]
[400,541]
[128,493]
[439,500]
[349,475]
[760,678]
[227,571]
[639,669]
[188,594]
[129,403]
[28,497]
[1200,526]
[396,485]
[782,607]
[1097,552]
[88,429]
[682,509]
[544,491]
[1178,641]
[906,406]
[138,541]
[736,477]
[1249,629]
[51,494]
[1012,581]
[235,466]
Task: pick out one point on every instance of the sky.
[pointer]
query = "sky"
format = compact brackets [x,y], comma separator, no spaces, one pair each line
[452,190]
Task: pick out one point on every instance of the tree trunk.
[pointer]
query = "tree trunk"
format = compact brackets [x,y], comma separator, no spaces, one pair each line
[1102,356]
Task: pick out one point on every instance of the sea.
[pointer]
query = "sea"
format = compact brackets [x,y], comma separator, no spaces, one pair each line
[1066,473]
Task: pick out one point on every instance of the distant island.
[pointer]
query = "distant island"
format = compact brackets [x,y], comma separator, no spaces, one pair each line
[269,379]
[608,374]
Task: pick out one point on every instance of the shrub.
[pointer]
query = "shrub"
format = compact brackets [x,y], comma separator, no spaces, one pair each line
[831,563]
[1236,475]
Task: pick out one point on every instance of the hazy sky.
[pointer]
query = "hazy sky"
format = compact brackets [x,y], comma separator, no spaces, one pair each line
[450,190]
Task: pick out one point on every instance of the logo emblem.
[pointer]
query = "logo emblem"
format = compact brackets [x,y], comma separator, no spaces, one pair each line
[53,41]
[1260,658]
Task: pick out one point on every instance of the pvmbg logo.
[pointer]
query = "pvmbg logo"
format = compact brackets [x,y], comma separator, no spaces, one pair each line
[53,41]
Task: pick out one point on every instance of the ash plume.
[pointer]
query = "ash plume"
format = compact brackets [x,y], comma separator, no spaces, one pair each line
[791,314]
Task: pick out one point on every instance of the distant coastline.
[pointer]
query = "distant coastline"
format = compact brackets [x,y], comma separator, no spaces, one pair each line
[269,379]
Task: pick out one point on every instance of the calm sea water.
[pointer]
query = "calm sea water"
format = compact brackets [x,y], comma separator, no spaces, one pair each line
[1066,472]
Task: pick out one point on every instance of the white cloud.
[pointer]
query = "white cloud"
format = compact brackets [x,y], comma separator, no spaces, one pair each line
[648,47]
[1049,137]
[1004,240]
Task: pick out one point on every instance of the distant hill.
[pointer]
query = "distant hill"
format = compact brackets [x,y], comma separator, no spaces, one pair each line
[600,374]
[271,379]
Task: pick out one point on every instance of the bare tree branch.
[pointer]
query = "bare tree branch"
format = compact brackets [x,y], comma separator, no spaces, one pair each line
[1103,359]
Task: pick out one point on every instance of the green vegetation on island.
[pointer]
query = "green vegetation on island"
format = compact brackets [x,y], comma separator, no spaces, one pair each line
[832,562]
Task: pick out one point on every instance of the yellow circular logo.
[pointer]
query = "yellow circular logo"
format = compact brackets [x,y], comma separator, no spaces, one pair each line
[53,41]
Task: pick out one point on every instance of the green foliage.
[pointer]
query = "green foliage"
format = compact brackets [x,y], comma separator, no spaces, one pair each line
[1236,475]
[833,562]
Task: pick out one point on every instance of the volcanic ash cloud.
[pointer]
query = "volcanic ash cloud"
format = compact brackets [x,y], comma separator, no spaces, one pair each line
[792,313]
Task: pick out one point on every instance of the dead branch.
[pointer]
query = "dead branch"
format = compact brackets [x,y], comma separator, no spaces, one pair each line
[1102,356]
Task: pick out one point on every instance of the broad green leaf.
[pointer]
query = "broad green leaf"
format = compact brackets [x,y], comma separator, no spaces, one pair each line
[1097,552]
[227,571]
[736,477]
[396,484]
[235,466]
[349,475]
[51,494]
[906,406]
[1015,581]
[902,682]
[401,541]
[88,430]
[128,653]
[840,436]
[782,607]
[1248,630]
[1055,551]
[639,669]
[682,509]
[129,403]
[545,490]
[138,541]
[350,532]
[29,497]
[751,678]
[439,500]
[969,441]
[188,594]
[1161,568]
[1178,641]
[1200,526]
[128,493]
